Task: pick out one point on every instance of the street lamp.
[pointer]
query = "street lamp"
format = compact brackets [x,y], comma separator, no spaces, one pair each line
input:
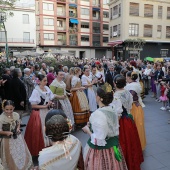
[2,20]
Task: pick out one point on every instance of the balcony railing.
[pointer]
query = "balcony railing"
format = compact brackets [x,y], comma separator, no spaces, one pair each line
[73,1]
[96,43]
[96,30]
[73,30]
[96,18]
[61,28]
[73,42]
[74,15]
[61,42]
[16,40]
[62,14]
[61,1]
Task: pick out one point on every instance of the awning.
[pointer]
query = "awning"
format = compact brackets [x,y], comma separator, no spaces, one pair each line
[74,21]
[114,43]
[73,5]
[96,9]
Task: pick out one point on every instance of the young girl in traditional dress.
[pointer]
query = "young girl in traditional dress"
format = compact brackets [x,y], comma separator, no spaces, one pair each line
[102,151]
[14,152]
[163,96]
[78,99]
[41,100]
[137,111]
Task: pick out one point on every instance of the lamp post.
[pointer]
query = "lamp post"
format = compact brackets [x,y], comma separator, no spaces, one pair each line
[2,20]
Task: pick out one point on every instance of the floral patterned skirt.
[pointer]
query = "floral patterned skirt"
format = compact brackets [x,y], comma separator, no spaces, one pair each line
[15,154]
[102,159]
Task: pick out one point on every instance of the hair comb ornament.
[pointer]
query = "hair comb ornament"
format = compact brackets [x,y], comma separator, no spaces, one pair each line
[3,102]
[107,87]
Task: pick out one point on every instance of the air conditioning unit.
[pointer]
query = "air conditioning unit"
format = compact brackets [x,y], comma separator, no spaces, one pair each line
[114,34]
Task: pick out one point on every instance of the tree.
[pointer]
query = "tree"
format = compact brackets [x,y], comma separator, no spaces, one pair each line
[6,6]
[134,45]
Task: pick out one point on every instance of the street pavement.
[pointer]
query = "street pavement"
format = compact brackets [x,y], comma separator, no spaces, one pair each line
[157,152]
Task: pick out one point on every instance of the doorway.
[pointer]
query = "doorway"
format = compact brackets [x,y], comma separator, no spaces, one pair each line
[82,54]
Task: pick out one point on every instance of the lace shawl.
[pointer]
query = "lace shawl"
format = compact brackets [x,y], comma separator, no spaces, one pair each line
[104,122]
[126,99]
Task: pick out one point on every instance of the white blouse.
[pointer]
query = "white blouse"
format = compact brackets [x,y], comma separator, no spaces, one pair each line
[85,80]
[74,81]
[38,93]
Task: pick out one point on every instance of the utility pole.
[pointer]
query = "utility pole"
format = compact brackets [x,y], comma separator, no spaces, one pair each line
[2,20]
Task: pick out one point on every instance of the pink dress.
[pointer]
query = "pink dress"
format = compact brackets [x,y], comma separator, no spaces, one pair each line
[163,94]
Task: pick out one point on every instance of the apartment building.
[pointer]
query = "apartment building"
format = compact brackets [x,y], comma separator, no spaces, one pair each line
[21,29]
[77,26]
[145,19]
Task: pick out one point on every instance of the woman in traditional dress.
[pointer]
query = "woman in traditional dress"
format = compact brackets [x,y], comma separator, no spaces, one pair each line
[78,99]
[65,152]
[102,151]
[58,87]
[88,84]
[41,101]
[136,111]
[128,134]
[14,152]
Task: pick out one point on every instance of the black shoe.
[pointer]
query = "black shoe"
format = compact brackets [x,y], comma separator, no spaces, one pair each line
[23,125]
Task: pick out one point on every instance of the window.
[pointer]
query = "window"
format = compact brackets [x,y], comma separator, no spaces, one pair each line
[26,37]
[168,12]
[2,36]
[148,11]
[147,30]
[110,13]
[159,28]
[110,32]
[84,25]
[118,29]
[25,18]
[48,21]
[59,23]
[94,13]
[48,36]
[105,39]
[133,29]
[134,9]
[115,10]
[60,37]
[159,31]
[84,11]
[85,38]
[48,6]
[167,31]
[159,11]
[105,2]
[105,14]
[105,27]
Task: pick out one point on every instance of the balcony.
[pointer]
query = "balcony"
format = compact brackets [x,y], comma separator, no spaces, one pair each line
[61,1]
[73,1]
[61,14]
[73,15]
[16,40]
[96,18]
[96,30]
[73,42]
[61,42]
[61,29]
[96,43]
[73,30]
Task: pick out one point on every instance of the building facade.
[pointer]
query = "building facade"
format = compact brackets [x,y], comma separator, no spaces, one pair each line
[77,26]
[21,29]
[144,19]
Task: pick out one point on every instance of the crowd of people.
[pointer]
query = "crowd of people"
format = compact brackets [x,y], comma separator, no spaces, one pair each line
[103,97]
